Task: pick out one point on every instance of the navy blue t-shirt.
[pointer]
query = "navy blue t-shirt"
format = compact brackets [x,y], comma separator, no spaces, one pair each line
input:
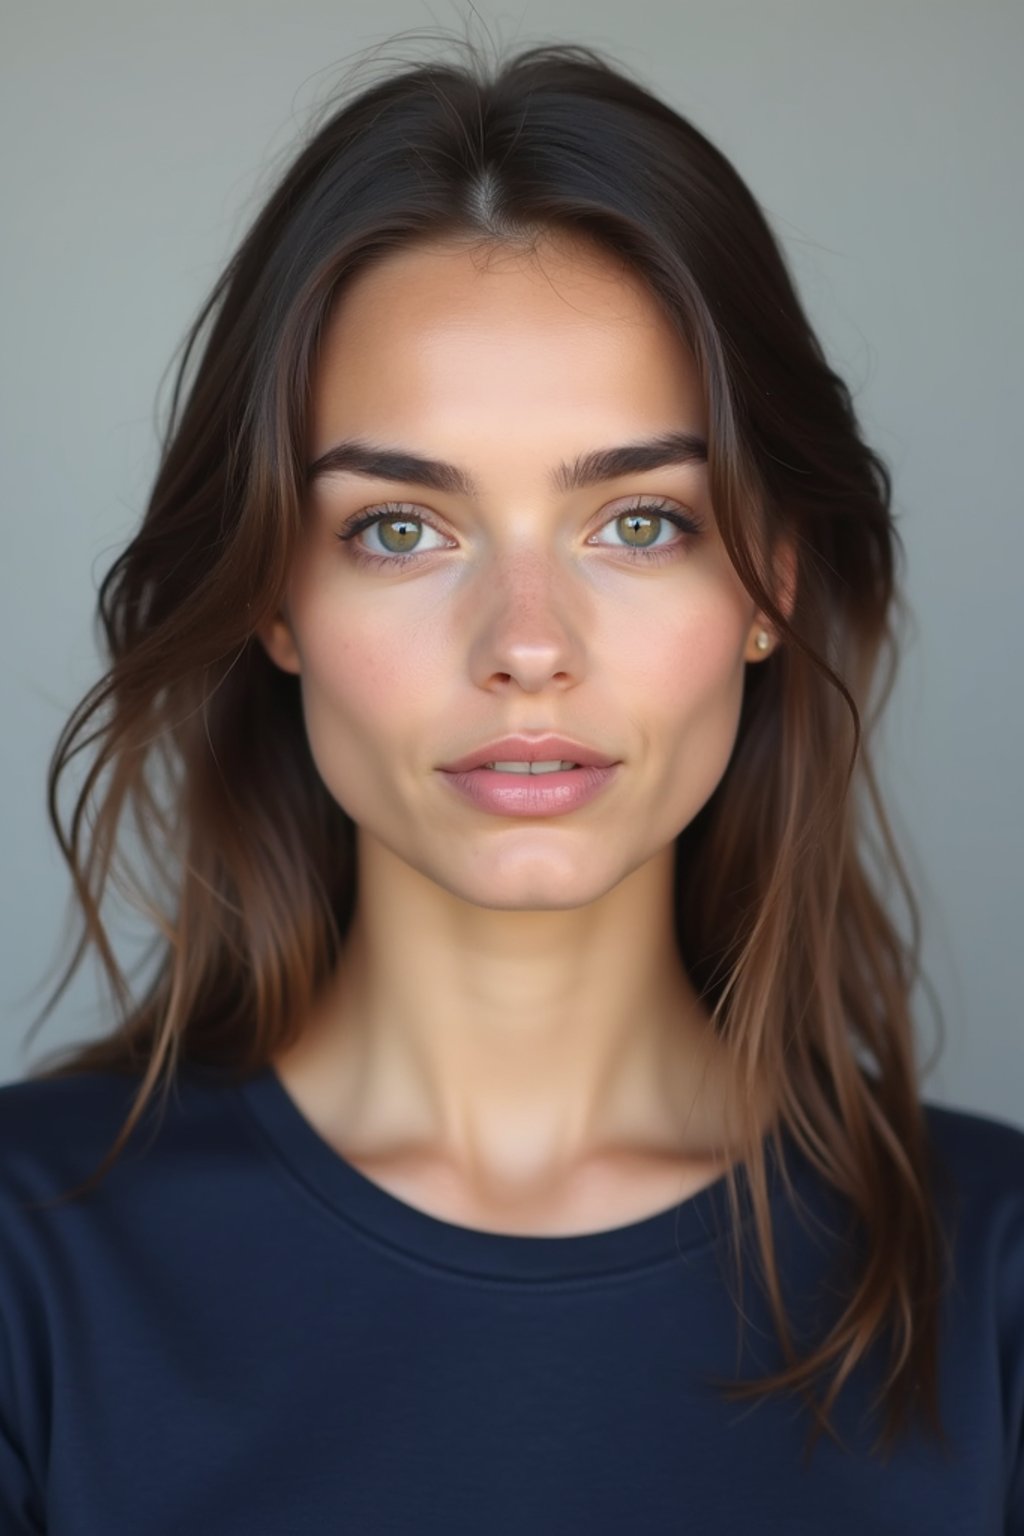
[239,1333]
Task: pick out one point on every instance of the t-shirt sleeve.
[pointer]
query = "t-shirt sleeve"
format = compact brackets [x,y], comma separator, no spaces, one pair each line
[1012,1334]
[1002,1173]
[23,1421]
[20,1514]
[21,1504]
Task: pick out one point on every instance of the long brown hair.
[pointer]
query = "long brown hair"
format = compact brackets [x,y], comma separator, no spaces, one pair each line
[244,863]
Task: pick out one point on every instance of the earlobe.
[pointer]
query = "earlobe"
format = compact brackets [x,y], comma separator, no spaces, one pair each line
[762,638]
[278,642]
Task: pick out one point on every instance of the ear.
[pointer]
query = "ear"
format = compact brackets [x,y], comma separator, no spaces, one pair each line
[279,643]
[784,567]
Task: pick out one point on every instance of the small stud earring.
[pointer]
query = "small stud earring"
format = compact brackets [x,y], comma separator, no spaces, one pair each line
[762,642]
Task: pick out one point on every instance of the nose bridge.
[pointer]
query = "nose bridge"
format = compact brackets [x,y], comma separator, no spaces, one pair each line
[526,610]
[529,575]
[525,559]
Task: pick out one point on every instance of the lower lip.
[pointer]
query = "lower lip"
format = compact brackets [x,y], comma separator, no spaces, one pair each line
[531,794]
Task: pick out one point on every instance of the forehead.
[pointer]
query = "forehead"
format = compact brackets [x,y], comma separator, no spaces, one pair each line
[446,337]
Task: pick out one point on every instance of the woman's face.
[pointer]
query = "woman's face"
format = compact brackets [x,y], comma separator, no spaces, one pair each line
[520,605]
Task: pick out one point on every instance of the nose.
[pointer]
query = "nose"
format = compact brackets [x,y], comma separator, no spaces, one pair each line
[529,625]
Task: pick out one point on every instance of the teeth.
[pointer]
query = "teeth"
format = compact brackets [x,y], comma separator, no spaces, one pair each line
[530,767]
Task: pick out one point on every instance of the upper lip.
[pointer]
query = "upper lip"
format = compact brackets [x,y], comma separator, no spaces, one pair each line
[530,749]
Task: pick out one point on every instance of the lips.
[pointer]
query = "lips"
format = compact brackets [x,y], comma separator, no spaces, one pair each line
[530,749]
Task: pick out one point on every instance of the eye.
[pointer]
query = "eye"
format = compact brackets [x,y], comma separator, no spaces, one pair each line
[400,531]
[394,523]
[646,521]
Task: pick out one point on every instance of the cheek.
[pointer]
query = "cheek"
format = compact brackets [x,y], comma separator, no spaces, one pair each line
[685,652]
[363,694]
[687,674]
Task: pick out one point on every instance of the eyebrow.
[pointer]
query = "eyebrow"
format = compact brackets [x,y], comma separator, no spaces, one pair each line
[358,457]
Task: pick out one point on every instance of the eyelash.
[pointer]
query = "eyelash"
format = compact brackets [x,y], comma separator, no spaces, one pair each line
[395,511]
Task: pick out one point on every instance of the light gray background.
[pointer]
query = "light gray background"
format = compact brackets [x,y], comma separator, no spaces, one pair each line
[882,140]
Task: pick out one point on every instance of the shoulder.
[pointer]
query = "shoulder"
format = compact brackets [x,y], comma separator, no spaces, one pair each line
[54,1132]
[982,1159]
[30,1105]
[983,1154]
[87,1101]
[58,1123]
[971,1135]
[980,1163]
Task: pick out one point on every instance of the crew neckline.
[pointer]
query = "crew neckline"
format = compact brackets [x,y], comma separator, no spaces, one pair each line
[695,1223]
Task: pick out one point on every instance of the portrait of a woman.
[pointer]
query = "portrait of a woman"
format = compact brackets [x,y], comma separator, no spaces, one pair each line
[520,1126]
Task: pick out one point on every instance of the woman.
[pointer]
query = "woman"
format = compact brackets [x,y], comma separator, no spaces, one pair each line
[488,687]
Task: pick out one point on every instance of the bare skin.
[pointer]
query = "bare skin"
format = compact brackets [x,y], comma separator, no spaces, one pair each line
[511,1041]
